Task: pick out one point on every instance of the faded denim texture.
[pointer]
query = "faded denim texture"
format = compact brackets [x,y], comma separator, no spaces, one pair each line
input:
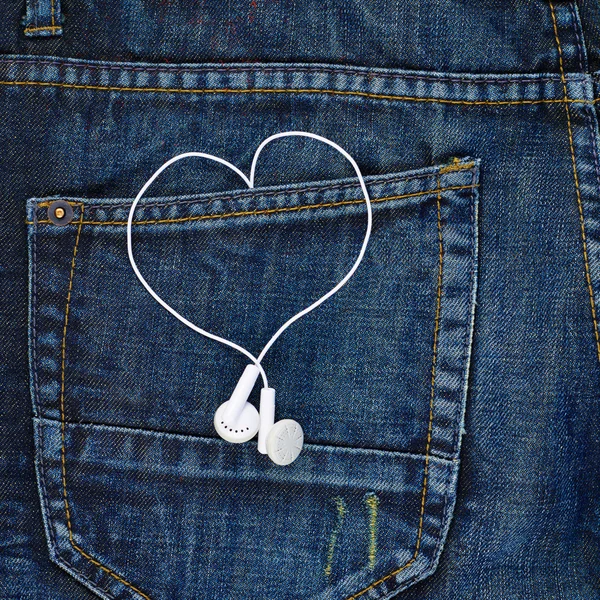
[448,394]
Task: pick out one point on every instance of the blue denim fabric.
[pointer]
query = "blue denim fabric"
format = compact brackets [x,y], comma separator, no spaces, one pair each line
[241,263]
[448,394]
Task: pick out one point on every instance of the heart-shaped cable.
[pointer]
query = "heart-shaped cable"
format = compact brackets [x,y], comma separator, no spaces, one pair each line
[237,420]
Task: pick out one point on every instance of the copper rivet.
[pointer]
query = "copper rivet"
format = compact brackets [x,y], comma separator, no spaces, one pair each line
[60,212]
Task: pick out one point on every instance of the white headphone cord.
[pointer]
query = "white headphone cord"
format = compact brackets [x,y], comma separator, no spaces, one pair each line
[250,183]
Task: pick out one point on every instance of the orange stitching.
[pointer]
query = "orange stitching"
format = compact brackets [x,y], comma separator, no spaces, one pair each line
[456,165]
[434,360]
[108,88]
[63,424]
[52,27]
[438,305]
[268,211]
[588,277]
[49,27]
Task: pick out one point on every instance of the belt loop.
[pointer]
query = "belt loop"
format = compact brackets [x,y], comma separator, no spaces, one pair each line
[43,18]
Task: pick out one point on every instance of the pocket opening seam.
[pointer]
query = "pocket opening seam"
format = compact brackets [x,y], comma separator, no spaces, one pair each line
[135,430]
[469,336]
[265,194]
[266,211]
[39,457]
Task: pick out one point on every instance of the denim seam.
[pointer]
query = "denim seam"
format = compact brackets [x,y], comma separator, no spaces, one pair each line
[57,557]
[431,404]
[577,37]
[263,69]
[589,112]
[445,509]
[39,457]
[592,126]
[52,27]
[267,211]
[466,361]
[469,334]
[576,181]
[315,91]
[63,422]
[446,506]
[33,310]
[47,28]
[586,111]
[301,190]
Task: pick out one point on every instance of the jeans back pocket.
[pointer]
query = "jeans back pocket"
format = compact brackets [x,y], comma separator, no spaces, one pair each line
[140,498]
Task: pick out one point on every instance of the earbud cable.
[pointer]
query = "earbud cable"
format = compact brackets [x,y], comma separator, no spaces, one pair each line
[250,183]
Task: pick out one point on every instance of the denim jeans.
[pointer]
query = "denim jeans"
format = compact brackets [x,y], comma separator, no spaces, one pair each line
[448,394]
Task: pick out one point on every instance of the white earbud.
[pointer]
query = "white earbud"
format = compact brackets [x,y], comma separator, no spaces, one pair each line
[283,440]
[238,421]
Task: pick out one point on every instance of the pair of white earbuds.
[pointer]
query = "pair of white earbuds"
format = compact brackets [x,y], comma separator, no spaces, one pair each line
[237,420]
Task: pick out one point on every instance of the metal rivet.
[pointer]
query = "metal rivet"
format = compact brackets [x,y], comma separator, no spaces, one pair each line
[60,212]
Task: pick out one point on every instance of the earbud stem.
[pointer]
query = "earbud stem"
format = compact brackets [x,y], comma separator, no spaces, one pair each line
[241,393]
[267,417]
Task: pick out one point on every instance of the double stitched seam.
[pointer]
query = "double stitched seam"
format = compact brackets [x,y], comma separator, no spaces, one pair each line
[447,505]
[469,332]
[33,314]
[438,305]
[63,424]
[270,211]
[588,113]
[588,277]
[261,69]
[109,88]
[588,116]
[577,37]
[291,192]
[40,429]
[59,559]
